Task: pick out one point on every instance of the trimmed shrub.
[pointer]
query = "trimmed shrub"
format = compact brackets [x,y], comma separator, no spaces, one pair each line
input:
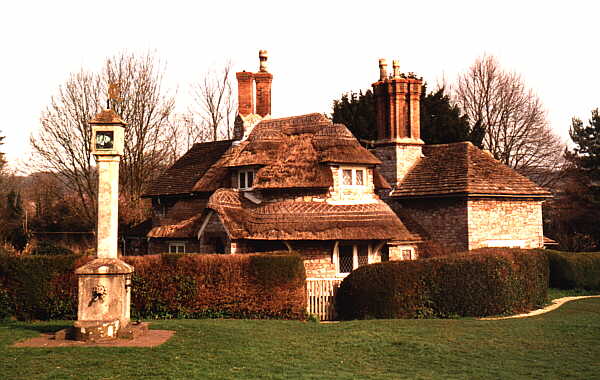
[40,287]
[48,249]
[479,283]
[574,270]
[164,286]
[218,286]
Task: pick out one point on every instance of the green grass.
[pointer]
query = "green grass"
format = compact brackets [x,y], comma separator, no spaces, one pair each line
[558,345]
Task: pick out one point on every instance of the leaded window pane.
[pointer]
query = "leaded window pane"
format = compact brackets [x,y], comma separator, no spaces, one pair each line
[359,177]
[346,258]
[347,176]
[363,255]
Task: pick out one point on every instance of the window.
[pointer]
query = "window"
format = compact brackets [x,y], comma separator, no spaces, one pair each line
[177,247]
[350,256]
[245,179]
[353,177]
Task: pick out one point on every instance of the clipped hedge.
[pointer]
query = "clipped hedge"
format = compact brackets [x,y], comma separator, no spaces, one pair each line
[39,287]
[164,286]
[570,270]
[479,283]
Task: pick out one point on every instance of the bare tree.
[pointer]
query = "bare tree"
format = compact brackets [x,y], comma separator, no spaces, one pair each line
[516,130]
[62,145]
[146,109]
[215,104]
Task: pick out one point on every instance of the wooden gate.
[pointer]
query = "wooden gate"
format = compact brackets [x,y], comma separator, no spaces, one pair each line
[320,293]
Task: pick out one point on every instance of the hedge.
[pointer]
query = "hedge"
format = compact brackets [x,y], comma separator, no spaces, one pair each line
[570,270]
[164,286]
[480,283]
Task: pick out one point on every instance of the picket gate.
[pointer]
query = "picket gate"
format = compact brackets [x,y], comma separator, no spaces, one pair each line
[320,294]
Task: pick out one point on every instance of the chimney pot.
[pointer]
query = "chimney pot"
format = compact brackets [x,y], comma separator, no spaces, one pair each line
[263,55]
[396,65]
[382,69]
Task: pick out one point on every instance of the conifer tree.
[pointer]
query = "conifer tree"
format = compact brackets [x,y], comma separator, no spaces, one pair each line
[586,154]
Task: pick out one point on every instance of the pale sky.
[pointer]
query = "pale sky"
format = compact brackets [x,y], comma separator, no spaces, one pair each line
[317,49]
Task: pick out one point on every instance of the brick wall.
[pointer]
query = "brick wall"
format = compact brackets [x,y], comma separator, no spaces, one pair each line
[498,221]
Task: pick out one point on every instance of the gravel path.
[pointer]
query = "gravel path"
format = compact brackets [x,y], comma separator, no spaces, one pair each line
[555,305]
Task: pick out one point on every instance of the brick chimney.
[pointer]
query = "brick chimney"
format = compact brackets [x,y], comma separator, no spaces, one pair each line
[397,110]
[253,105]
[245,93]
[263,86]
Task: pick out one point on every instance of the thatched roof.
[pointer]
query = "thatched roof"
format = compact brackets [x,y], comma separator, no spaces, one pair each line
[190,169]
[294,220]
[293,152]
[187,228]
[463,169]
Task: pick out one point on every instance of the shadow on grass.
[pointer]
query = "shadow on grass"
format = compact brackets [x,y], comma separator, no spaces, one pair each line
[40,327]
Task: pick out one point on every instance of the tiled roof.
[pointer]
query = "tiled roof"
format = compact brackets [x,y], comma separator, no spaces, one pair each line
[297,220]
[189,169]
[463,169]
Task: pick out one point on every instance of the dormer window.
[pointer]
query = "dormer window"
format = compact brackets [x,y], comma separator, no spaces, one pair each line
[353,176]
[245,179]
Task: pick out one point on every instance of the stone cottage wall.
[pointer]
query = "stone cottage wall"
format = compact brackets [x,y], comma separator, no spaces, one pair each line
[505,222]
[444,220]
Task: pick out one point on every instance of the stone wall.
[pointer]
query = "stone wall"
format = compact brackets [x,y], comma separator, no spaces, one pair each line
[162,245]
[505,222]
[444,220]
[397,160]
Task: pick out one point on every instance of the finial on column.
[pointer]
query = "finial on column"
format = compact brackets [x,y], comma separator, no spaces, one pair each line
[396,66]
[263,55]
[382,69]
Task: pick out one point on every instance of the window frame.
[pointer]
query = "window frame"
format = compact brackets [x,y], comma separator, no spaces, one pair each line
[355,254]
[177,245]
[354,170]
[246,173]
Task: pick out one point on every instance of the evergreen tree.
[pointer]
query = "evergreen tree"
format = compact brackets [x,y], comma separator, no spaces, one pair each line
[441,122]
[586,154]
[13,215]
[357,112]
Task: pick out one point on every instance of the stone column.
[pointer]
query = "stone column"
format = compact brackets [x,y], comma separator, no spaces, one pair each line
[105,282]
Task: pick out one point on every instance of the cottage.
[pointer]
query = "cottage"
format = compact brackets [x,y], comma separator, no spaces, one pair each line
[305,184]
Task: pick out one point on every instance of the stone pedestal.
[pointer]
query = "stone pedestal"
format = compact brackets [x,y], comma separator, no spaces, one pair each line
[104,299]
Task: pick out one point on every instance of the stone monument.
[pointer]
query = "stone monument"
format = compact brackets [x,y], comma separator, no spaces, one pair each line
[105,282]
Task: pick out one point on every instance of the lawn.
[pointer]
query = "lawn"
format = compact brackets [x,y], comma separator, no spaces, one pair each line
[558,345]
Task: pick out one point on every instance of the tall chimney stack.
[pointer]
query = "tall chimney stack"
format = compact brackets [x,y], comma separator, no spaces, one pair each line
[245,93]
[263,81]
[397,110]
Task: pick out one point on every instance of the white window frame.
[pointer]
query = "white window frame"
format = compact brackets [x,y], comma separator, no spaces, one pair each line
[336,255]
[354,169]
[174,247]
[245,173]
